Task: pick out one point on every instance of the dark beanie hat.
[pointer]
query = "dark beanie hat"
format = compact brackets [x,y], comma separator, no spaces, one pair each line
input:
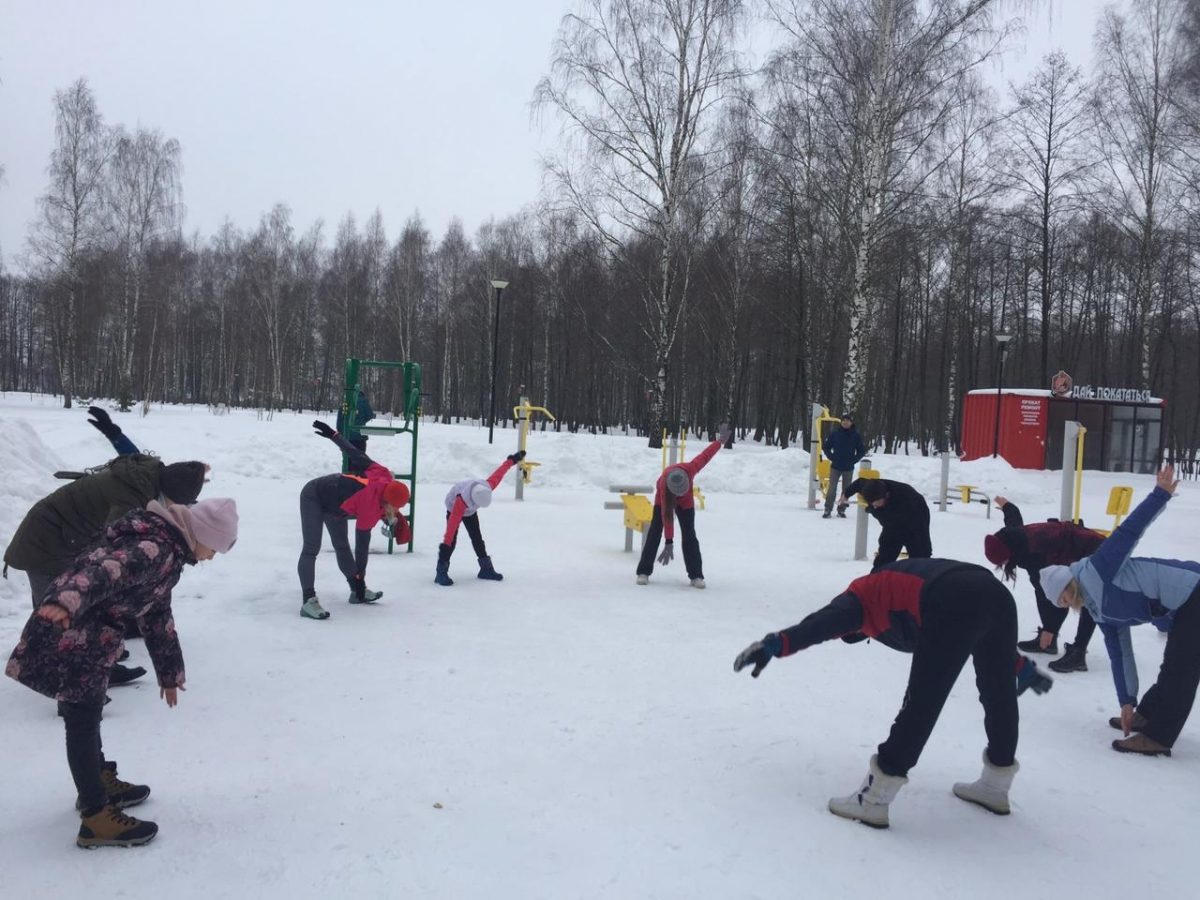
[181,482]
[996,550]
[873,489]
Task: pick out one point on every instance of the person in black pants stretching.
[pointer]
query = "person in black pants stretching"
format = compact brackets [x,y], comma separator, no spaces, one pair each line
[942,611]
[1032,547]
[903,517]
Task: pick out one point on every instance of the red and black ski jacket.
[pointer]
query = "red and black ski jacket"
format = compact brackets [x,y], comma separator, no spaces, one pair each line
[1045,543]
[885,605]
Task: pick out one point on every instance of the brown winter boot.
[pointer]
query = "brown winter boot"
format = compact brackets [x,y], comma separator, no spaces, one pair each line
[112,828]
[1139,743]
[120,794]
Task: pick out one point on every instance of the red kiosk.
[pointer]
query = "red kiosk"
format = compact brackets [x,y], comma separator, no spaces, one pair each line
[1124,426]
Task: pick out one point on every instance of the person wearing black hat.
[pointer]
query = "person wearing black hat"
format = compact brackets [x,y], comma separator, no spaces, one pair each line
[673,497]
[1032,547]
[67,522]
[843,447]
[903,517]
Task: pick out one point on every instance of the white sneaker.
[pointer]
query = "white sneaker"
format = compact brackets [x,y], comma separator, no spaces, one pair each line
[643,579]
[312,609]
[698,583]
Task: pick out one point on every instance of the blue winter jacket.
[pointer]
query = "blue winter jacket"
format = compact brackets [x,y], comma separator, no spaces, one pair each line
[1120,590]
[844,447]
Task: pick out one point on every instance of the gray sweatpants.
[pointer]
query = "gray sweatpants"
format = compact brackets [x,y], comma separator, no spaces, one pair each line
[836,475]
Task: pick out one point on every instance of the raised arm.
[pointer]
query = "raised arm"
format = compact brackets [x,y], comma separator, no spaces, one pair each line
[1118,546]
[102,422]
[355,457]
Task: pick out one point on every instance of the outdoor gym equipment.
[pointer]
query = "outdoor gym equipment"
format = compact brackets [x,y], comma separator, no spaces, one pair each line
[410,419]
[818,465]
[638,510]
[1120,497]
[860,520]
[523,413]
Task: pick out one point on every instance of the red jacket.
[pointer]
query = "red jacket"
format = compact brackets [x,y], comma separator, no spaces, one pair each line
[366,504]
[692,467]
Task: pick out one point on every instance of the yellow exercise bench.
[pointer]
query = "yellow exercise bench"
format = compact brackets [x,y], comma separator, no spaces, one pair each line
[966,494]
[638,510]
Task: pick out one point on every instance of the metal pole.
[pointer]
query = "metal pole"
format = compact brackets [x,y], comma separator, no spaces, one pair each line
[999,390]
[946,481]
[1066,504]
[495,361]
[522,431]
[673,451]
[860,521]
[814,450]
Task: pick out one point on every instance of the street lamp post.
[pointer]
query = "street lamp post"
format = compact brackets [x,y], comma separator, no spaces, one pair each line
[499,285]
[1002,341]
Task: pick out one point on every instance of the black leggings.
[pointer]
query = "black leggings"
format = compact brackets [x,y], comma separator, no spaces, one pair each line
[313,518]
[963,614]
[85,755]
[471,523]
[685,517]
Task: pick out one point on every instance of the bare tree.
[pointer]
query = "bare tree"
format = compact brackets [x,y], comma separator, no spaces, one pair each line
[637,83]
[70,222]
[881,74]
[1138,122]
[144,198]
[1047,162]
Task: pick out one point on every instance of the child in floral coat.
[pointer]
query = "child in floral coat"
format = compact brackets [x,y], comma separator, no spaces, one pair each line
[72,639]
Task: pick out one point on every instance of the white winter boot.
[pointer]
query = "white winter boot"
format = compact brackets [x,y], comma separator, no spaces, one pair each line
[991,790]
[870,804]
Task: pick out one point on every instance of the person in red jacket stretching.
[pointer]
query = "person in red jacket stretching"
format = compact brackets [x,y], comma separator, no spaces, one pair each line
[329,501]
[463,503]
[942,611]
[1032,547]
[673,497]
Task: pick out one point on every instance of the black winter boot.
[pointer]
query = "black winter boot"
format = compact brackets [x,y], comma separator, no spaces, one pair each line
[486,571]
[443,566]
[1034,645]
[1073,660]
[124,674]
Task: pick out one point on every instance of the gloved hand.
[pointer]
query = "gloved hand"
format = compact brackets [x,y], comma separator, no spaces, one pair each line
[759,653]
[103,423]
[516,457]
[323,430]
[358,587]
[1028,676]
[724,432]
[385,528]
[667,554]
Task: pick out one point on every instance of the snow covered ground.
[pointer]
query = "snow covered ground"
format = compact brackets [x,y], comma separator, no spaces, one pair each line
[565,733]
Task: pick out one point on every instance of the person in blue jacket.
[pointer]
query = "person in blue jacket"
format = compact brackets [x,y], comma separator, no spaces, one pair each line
[843,447]
[1121,590]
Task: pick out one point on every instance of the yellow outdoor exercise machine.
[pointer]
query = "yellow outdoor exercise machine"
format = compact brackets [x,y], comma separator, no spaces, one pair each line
[523,413]
[674,445]
[1120,497]
[818,465]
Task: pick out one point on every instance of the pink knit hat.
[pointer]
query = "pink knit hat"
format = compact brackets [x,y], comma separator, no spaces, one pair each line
[215,523]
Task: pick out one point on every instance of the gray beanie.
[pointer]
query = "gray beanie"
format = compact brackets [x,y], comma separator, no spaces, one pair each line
[678,482]
[1054,581]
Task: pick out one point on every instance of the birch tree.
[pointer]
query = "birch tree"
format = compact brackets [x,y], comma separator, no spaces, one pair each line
[70,217]
[144,200]
[638,84]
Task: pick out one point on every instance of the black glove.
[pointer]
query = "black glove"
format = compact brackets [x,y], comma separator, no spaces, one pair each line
[759,654]
[516,457]
[1028,677]
[323,430]
[667,554]
[102,423]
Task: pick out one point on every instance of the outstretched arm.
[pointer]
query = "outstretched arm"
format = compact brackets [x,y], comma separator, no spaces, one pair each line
[452,523]
[355,457]
[102,422]
[843,616]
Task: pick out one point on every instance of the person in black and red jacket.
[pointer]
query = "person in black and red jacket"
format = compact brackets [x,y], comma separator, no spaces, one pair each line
[1031,547]
[903,517]
[942,611]
[329,501]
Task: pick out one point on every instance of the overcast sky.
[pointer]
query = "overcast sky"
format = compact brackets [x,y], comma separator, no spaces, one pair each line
[330,107]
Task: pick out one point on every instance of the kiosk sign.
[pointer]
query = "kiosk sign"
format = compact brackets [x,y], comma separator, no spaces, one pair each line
[1122,395]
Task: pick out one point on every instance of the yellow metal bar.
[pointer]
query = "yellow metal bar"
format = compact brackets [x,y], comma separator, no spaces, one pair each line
[664,450]
[1079,472]
[683,445]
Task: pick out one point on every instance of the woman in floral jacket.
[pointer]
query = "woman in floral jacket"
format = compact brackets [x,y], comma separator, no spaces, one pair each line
[71,641]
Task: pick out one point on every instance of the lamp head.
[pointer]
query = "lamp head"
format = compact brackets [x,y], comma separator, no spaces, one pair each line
[498,284]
